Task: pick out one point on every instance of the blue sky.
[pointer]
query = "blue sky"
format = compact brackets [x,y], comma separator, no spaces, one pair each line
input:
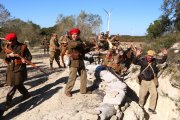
[129,17]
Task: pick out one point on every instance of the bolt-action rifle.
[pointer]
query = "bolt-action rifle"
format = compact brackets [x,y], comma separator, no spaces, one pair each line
[27,61]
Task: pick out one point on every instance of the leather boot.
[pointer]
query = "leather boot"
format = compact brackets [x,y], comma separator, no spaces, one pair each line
[51,65]
[64,65]
[59,65]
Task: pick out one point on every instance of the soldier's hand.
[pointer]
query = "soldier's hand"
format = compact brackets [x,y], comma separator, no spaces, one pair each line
[138,52]
[164,51]
[10,55]
[23,61]
[16,55]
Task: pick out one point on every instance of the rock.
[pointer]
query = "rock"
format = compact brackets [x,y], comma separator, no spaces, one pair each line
[165,88]
[114,117]
[87,116]
[93,111]
[176,51]
[176,46]
[119,114]
[133,112]
[107,111]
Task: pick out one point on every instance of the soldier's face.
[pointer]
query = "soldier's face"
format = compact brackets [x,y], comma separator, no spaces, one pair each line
[75,36]
[12,42]
[149,58]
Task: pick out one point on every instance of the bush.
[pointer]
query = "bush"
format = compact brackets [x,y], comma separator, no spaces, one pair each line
[162,42]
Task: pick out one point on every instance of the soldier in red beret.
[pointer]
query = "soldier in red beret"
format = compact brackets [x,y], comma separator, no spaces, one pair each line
[16,66]
[76,52]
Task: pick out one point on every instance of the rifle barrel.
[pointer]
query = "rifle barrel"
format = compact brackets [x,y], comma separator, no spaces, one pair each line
[28,62]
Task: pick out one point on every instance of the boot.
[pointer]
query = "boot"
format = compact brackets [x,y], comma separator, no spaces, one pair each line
[51,65]
[25,97]
[64,65]
[59,65]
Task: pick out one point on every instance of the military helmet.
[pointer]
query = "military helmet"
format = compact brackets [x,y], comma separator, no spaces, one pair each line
[102,33]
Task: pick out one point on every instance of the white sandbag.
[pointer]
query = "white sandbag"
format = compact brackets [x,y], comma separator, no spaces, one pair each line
[91,68]
[117,86]
[117,100]
[86,63]
[106,110]
[107,76]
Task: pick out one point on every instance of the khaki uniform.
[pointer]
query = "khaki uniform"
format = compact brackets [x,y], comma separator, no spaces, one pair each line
[54,51]
[45,44]
[102,43]
[148,76]
[145,87]
[77,66]
[64,45]
[16,70]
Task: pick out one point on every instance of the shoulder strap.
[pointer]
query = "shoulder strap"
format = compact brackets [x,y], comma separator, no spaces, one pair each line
[152,70]
[23,47]
[146,67]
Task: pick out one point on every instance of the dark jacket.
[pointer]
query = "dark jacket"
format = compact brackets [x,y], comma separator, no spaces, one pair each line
[17,73]
[148,73]
[81,49]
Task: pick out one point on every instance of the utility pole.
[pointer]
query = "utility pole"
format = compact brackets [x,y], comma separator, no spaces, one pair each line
[108,22]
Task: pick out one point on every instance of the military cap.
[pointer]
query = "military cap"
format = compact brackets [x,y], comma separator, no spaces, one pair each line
[11,36]
[151,52]
[74,31]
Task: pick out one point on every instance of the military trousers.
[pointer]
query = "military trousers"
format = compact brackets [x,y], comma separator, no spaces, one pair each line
[72,78]
[62,57]
[21,88]
[54,55]
[145,87]
[46,49]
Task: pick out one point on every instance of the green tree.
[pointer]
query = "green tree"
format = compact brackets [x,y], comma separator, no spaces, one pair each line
[177,17]
[47,31]
[89,24]
[171,8]
[26,31]
[4,15]
[64,23]
[158,27]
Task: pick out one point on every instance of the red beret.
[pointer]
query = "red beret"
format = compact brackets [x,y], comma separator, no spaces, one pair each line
[11,36]
[74,31]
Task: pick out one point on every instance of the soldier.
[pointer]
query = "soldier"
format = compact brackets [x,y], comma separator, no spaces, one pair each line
[64,42]
[148,75]
[76,51]
[45,44]
[16,66]
[107,59]
[54,51]
[102,42]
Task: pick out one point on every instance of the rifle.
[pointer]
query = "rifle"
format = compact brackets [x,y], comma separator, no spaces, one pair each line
[27,61]
[2,38]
